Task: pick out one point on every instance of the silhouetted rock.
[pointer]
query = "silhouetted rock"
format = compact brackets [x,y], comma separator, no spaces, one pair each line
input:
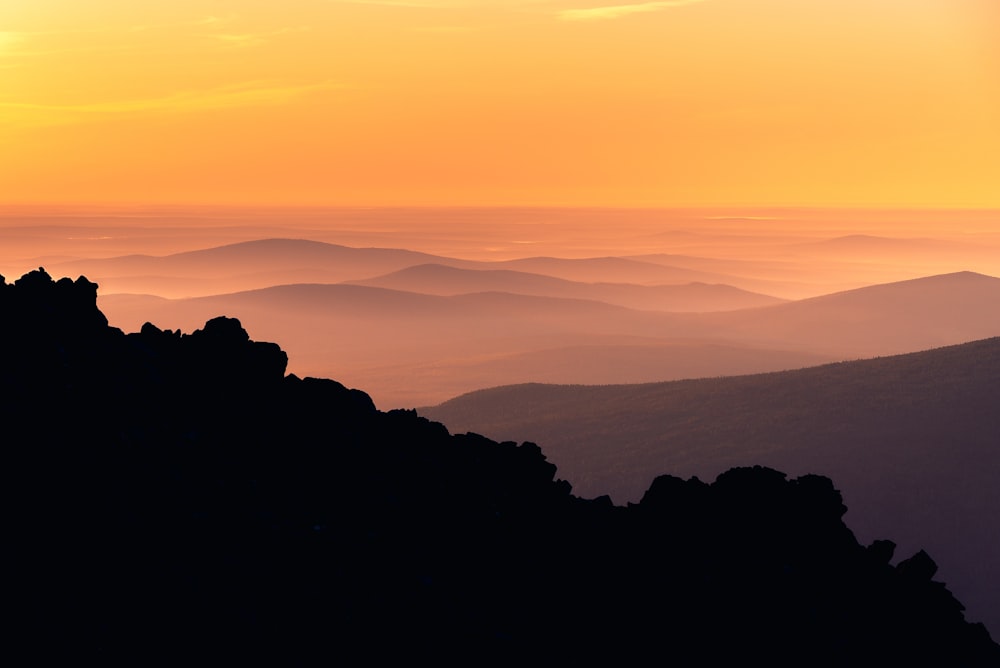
[919,567]
[882,550]
[177,500]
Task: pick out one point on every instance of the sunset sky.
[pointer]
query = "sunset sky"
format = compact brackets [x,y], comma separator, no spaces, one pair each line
[497,102]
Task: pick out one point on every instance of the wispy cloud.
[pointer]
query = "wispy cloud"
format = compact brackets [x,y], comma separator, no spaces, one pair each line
[213,20]
[250,39]
[444,30]
[400,3]
[618,11]
[239,95]
[246,39]
[444,4]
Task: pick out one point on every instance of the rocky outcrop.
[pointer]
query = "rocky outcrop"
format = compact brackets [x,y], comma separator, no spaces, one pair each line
[177,499]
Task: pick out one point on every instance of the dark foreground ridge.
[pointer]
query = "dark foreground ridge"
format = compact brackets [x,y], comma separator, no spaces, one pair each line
[177,500]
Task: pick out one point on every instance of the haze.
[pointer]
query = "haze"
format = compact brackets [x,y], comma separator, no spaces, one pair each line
[419,305]
[425,198]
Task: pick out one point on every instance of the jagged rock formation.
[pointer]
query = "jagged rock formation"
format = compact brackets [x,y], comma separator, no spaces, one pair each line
[176,499]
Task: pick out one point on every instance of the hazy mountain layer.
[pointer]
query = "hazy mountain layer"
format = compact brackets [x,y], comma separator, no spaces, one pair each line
[375,337]
[242,266]
[904,316]
[693,297]
[269,262]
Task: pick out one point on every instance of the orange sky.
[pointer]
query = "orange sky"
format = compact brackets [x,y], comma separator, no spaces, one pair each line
[714,102]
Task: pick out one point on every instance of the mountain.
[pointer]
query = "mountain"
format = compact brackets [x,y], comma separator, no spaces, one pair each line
[447,345]
[856,246]
[268,262]
[242,266]
[407,382]
[611,270]
[927,421]
[790,278]
[903,316]
[694,297]
[178,499]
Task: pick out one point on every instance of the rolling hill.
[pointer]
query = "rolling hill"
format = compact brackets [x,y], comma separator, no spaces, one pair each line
[886,319]
[927,420]
[691,297]
[242,266]
[269,262]
[413,349]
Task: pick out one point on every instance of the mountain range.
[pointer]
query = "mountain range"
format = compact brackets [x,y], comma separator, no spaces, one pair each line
[178,498]
[372,336]
[927,421]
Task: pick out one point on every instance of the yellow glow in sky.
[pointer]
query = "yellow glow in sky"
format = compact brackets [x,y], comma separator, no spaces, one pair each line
[717,102]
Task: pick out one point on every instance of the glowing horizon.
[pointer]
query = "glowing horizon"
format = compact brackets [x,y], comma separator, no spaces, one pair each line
[469,103]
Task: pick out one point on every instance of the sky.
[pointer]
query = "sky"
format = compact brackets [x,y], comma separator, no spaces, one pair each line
[891,103]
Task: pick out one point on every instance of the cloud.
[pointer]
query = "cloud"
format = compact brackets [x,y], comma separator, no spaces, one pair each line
[401,3]
[617,11]
[250,39]
[247,39]
[444,4]
[444,30]
[101,39]
[238,95]
[213,20]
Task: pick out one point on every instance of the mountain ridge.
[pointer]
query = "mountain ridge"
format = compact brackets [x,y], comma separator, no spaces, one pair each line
[180,499]
[453,331]
[449,280]
[926,419]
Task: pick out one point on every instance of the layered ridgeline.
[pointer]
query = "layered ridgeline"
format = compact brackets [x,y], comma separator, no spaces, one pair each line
[911,441]
[373,317]
[177,499]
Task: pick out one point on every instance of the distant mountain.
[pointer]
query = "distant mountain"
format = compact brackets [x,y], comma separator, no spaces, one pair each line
[611,270]
[809,268]
[904,316]
[268,262]
[373,336]
[361,301]
[177,499]
[632,361]
[690,297]
[928,421]
[859,245]
[786,275]
[242,266]
[360,333]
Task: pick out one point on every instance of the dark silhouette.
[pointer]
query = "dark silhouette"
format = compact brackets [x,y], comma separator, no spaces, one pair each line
[911,441]
[177,500]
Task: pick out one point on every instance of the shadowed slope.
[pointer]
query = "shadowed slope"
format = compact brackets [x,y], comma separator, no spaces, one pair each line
[911,440]
[180,500]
